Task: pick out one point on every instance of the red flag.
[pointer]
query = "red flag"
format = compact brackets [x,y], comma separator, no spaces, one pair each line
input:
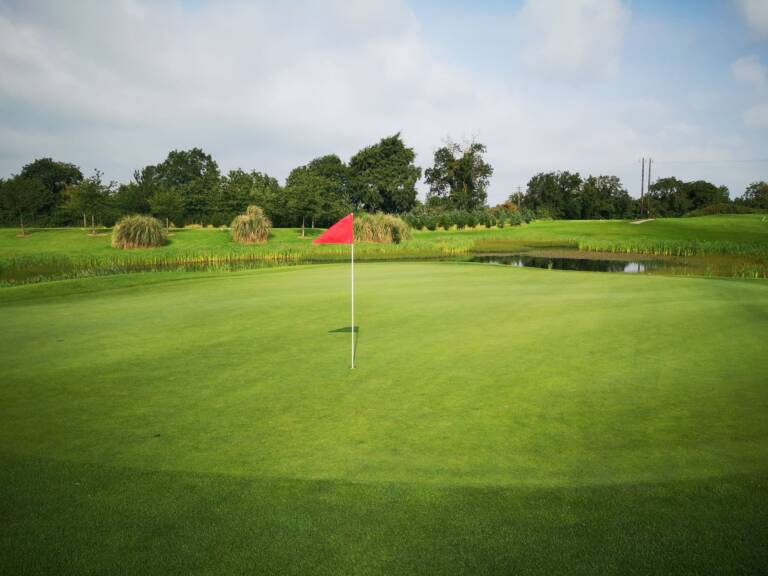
[340,233]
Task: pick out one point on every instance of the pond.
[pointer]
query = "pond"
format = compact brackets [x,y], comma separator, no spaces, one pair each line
[564,263]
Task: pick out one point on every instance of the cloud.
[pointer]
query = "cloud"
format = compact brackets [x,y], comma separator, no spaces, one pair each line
[755,13]
[573,38]
[757,116]
[750,71]
[269,86]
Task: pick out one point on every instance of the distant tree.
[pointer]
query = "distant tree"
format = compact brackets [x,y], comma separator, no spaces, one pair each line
[192,173]
[240,189]
[316,192]
[383,177]
[91,198]
[701,193]
[461,174]
[667,197]
[603,197]
[756,195]
[23,197]
[556,193]
[304,194]
[133,198]
[55,177]
[168,205]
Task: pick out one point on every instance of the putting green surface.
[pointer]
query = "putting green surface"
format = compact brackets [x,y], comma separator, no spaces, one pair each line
[500,420]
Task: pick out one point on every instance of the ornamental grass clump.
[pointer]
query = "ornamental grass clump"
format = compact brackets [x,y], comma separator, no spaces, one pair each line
[138,232]
[381,228]
[253,227]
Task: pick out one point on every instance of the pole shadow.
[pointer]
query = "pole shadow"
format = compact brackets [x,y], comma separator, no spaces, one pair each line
[347,330]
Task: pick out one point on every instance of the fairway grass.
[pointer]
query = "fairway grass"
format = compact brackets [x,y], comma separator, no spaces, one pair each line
[500,421]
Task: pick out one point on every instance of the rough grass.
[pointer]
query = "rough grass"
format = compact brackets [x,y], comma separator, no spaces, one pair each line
[138,232]
[500,421]
[58,253]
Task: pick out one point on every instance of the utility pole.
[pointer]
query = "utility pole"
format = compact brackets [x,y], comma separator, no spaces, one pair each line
[648,187]
[642,183]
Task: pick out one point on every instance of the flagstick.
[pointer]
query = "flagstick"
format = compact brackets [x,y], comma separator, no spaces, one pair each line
[353,303]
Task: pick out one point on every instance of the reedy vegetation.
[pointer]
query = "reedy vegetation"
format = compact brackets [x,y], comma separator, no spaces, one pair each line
[253,227]
[138,232]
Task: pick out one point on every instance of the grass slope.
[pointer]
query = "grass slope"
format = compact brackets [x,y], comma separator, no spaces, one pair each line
[501,420]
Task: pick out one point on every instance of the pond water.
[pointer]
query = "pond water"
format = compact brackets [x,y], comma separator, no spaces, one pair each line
[562,263]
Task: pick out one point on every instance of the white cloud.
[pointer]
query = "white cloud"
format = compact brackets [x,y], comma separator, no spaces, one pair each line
[749,70]
[756,14]
[757,116]
[269,86]
[574,38]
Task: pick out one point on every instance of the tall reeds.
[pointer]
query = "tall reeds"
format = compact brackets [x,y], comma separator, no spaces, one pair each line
[253,227]
[138,232]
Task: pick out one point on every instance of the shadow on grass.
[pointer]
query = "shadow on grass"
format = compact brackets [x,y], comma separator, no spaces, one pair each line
[348,330]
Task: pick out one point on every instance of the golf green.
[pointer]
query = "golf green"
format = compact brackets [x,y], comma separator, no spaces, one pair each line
[499,421]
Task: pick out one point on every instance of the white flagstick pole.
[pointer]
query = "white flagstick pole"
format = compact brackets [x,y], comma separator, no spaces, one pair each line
[353,303]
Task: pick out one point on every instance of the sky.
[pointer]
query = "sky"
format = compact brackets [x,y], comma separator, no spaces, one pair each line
[583,85]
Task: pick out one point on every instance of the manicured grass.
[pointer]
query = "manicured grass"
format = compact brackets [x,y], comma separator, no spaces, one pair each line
[500,421]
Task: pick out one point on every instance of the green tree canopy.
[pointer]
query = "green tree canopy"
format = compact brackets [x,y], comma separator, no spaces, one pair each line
[602,197]
[92,199]
[556,193]
[168,205]
[317,191]
[23,197]
[383,177]
[460,174]
[756,195]
[193,173]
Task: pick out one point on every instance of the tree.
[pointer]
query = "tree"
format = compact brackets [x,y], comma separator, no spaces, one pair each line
[55,177]
[132,198]
[701,193]
[23,196]
[672,197]
[666,197]
[317,191]
[556,193]
[240,189]
[604,197]
[168,204]
[756,195]
[91,197]
[193,173]
[383,177]
[460,174]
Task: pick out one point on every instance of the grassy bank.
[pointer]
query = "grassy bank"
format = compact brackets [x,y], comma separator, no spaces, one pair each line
[739,242]
[500,420]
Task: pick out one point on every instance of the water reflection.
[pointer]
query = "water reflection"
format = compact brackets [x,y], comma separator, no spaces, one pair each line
[559,263]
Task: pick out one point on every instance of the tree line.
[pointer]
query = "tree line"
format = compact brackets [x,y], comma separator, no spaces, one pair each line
[566,195]
[188,187]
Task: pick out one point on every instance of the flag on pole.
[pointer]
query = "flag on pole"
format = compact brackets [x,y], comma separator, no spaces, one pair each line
[343,232]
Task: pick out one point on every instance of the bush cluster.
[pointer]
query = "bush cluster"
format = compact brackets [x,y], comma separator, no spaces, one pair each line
[253,227]
[381,228]
[138,232]
[725,208]
[460,219]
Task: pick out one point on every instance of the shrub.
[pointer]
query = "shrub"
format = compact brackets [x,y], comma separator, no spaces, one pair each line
[253,227]
[445,221]
[431,223]
[382,228]
[500,222]
[138,232]
[724,208]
